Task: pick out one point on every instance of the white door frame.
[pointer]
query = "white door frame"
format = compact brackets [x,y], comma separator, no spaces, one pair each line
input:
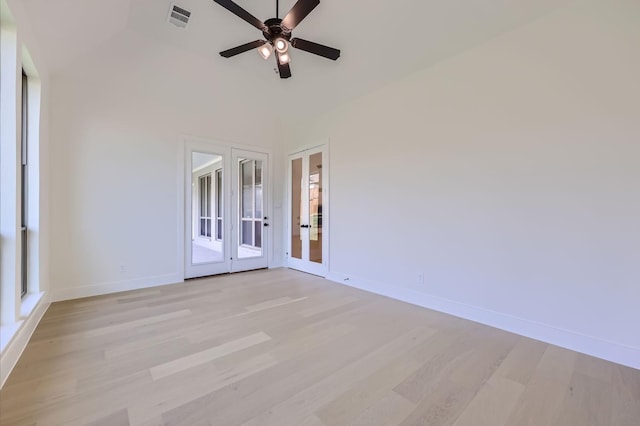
[304,264]
[188,144]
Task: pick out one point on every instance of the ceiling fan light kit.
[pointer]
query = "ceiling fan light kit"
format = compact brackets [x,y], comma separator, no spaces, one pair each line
[281,45]
[284,58]
[277,34]
[265,51]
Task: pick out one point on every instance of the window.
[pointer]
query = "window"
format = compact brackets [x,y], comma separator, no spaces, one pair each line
[24,188]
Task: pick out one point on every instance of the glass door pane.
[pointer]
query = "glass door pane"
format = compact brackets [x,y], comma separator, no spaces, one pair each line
[204,200]
[205,248]
[296,207]
[251,200]
[315,207]
[219,205]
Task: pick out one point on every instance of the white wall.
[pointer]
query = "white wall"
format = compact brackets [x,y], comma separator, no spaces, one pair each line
[119,116]
[509,175]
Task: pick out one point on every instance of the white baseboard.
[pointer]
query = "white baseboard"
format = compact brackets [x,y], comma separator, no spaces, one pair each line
[600,348]
[276,265]
[114,287]
[18,343]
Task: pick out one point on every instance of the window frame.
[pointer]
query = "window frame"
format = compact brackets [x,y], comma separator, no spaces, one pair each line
[24,186]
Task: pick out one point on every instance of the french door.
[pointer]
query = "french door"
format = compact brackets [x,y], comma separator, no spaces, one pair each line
[206,241]
[226,220]
[308,247]
[250,231]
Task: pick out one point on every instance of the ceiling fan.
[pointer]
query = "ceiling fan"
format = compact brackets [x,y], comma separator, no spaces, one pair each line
[277,34]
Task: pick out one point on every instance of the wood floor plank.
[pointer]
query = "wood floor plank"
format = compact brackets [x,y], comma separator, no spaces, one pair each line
[541,401]
[298,367]
[449,351]
[493,404]
[587,401]
[474,371]
[304,391]
[594,367]
[184,363]
[307,402]
[365,392]
[389,410]
[522,361]
[311,421]
[85,407]
[625,396]
[137,323]
[442,406]
[147,407]
[286,348]
[327,306]
[273,303]
[119,418]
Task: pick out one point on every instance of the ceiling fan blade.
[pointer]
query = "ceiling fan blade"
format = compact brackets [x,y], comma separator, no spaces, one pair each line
[241,13]
[283,69]
[298,12]
[241,49]
[315,48]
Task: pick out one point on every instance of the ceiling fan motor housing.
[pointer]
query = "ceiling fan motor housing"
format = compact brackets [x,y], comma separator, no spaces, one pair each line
[275,30]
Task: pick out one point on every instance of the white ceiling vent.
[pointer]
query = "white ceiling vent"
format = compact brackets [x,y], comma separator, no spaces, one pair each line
[178,16]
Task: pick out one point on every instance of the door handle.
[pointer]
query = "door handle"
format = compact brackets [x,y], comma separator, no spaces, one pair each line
[265,224]
[304,226]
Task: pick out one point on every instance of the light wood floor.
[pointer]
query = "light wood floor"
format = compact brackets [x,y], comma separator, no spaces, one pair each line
[285,348]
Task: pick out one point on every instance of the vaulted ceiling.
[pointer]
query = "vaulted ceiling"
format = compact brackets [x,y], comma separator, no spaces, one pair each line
[131,40]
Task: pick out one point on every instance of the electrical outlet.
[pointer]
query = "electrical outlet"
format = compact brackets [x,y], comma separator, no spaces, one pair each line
[123,268]
[420,277]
